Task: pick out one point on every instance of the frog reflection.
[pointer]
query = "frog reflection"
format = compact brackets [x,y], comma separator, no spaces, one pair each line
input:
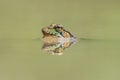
[57,48]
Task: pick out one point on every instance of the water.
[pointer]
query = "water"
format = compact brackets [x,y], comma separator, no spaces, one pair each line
[95,57]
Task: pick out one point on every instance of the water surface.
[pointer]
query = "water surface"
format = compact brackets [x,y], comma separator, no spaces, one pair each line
[95,57]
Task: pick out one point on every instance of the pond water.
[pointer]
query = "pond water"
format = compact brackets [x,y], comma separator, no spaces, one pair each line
[95,57]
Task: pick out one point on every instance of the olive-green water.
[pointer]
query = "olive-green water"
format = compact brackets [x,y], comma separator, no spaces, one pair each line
[95,57]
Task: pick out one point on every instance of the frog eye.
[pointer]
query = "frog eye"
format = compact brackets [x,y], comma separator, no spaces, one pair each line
[58,27]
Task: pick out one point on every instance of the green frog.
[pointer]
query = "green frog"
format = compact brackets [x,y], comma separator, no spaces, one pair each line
[50,31]
[56,30]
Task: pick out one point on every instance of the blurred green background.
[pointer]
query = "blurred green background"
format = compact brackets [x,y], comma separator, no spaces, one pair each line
[95,58]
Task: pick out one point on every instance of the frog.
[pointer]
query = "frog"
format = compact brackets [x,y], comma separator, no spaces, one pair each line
[56,30]
[50,31]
